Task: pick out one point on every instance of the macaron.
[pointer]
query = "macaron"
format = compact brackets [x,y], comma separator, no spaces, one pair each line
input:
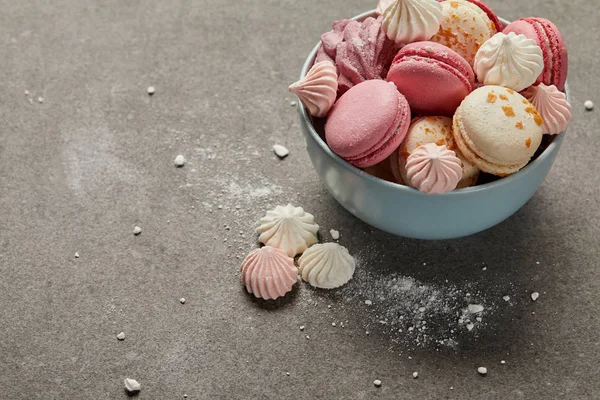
[433,78]
[436,130]
[554,50]
[464,28]
[368,123]
[490,13]
[497,129]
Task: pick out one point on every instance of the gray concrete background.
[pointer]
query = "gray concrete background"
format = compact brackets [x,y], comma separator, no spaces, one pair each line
[95,159]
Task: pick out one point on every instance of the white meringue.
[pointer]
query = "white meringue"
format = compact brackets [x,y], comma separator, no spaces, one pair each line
[433,169]
[318,89]
[268,273]
[326,266]
[408,21]
[382,5]
[288,228]
[552,105]
[509,60]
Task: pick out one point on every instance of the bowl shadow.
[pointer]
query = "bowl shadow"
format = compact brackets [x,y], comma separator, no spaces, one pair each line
[478,269]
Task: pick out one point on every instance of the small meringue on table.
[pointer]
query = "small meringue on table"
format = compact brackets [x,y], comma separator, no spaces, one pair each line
[288,228]
[268,273]
[326,266]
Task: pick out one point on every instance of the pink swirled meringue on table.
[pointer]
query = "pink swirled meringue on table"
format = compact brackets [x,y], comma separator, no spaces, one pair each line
[552,105]
[318,89]
[407,21]
[433,169]
[365,53]
[268,273]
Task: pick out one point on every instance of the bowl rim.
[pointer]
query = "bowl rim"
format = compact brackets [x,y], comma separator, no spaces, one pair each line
[529,168]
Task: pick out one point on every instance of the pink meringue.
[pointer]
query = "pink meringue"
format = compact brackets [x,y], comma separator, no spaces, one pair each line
[366,53]
[552,105]
[268,273]
[433,169]
[318,89]
[383,5]
[329,41]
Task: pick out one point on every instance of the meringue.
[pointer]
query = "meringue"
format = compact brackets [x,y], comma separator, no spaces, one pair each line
[408,21]
[509,60]
[433,169]
[383,5]
[318,89]
[288,228]
[329,41]
[268,273]
[365,53]
[552,105]
[326,266]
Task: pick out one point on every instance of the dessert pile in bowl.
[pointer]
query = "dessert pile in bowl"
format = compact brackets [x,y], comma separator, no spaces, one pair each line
[444,101]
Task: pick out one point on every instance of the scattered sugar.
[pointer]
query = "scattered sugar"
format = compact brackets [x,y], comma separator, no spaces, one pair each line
[302,328]
[76,255]
[415,314]
[506,298]
[40,99]
[151,90]
[589,105]
[502,362]
[121,336]
[182,300]
[137,230]
[482,370]
[415,375]
[293,103]
[377,383]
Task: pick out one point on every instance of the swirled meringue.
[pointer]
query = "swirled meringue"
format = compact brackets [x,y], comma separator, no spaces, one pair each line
[513,61]
[382,5]
[268,273]
[326,266]
[552,105]
[408,21]
[433,169]
[318,89]
[288,228]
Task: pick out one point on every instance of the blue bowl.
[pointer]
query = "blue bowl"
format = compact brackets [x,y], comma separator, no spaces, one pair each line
[404,211]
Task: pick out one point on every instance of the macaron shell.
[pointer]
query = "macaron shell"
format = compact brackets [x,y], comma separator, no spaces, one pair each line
[490,13]
[554,50]
[436,130]
[367,123]
[464,29]
[497,129]
[433,78]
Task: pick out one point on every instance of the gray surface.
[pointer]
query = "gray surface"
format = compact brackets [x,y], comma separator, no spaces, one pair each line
[79,171]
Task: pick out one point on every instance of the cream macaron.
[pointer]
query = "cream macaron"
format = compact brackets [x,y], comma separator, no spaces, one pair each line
[437,130]
[497,129]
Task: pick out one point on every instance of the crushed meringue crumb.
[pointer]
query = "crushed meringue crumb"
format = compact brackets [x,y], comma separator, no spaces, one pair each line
[280,151]
[482,370]
[589,105]
[534,296]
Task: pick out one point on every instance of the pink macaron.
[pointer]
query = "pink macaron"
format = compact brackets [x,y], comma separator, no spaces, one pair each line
[554,50]
[367,123]
[434,78]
